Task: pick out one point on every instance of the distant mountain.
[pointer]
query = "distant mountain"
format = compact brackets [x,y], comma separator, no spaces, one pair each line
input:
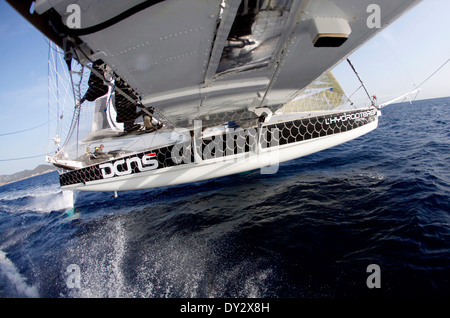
[26,174]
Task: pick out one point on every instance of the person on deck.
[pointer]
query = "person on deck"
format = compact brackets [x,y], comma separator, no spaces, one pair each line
[99,154]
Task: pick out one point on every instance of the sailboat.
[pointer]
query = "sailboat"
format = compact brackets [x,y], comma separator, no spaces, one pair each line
[178,91]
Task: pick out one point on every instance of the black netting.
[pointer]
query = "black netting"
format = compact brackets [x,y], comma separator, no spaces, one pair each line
[233,142]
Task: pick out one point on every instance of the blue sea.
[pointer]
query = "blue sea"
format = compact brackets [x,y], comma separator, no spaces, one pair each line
[315,229]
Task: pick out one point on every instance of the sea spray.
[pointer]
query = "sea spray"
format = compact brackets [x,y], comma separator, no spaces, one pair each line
[39,199]
[8,269]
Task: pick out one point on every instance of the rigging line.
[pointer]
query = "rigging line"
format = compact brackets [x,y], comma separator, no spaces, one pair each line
[359,78]
[23,158]
[348,98]
[399,61]
[429,77]
[20,131]
[416,95]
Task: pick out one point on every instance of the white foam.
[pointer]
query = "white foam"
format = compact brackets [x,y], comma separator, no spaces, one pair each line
[174,266]
[8,269]
[31,191]
[68,199]
[101,258]
[43,200]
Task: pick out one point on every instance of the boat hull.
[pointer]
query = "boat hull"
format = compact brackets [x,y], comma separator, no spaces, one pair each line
[214,157]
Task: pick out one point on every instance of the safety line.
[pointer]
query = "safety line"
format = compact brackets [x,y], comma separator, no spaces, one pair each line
[21,131]
[22,158]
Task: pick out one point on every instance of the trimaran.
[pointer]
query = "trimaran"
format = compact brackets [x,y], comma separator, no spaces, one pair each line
[177,91]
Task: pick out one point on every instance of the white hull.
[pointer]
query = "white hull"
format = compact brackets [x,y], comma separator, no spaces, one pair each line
[219,167]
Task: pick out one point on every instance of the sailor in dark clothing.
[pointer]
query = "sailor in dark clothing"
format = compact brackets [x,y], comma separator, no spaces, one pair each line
[97,151]
[99,154]
[126,109]
[126,101]
[97,87]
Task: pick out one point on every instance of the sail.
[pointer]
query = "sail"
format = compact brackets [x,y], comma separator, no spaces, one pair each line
[100,120]
[210,60]
[324,94]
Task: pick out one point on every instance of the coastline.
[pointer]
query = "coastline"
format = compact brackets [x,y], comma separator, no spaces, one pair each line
[26,174]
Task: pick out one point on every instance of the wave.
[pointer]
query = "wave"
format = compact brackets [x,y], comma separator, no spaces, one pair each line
[40,200]
[17,281]
[17,194]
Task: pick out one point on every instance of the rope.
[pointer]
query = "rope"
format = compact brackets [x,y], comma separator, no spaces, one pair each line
[22,158]
[21,131]
[429,77]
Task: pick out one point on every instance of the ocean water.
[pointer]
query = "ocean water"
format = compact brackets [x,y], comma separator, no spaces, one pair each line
[309,231]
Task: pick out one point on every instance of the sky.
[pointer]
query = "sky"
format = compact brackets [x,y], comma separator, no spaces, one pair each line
[391,64]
